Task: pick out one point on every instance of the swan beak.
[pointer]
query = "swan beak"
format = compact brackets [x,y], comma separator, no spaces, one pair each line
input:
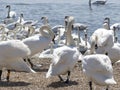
[42,18]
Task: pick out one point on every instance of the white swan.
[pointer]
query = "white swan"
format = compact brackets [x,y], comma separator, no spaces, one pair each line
[11,15]
[65,57]
[113,52]
[12,52]
[11,30]
[103,37]
[57,27]
[37,43]
[97,68]
[82,44]
[20,19]
[44,20]
[59,39]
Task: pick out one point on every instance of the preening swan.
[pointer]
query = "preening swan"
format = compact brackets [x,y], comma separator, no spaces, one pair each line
[103,36]
[12,52]
[97,68]
[65,57]
[113,52]
[37,43]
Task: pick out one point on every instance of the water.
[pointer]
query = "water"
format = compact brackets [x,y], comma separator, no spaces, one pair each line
[56,11]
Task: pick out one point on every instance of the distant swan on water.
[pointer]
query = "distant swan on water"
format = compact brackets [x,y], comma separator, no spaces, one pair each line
[11,15]
[101,2]
[97,2]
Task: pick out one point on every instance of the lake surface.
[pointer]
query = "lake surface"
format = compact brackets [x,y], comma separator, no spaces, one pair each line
[56,11]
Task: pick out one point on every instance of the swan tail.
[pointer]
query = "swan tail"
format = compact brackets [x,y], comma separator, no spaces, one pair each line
[111,81]
[20,65]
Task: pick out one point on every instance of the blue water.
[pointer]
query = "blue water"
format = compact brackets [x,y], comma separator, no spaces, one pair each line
[56,11]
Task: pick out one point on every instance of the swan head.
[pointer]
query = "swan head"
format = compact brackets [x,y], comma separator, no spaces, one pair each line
[2,26]
[44,19]
[7,6]
[106,23]
[21,15]
[66,21]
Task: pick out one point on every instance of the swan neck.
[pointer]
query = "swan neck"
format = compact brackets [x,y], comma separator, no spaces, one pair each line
[8,16]
[79,35]
[86,39]
[50,33]
[69,37]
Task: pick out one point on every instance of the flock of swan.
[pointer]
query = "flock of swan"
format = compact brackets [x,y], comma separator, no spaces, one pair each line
[20,40]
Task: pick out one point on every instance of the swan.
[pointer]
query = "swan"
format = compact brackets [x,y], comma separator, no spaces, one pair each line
[116,25]
[12,52]
[27,24]
[82,44]
[97,68]
[11,30]
[99,2]
[57,27]
[103,37]
[10,16]
[113,52]
[3,32]
[105,44]
[65,57]
[44,20]
[37,43]
[59,31]
[20,19]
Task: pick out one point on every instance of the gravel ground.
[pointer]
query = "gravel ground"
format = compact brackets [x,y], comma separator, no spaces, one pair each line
[37,81]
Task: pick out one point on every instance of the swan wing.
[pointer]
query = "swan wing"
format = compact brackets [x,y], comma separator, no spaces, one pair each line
[13,48]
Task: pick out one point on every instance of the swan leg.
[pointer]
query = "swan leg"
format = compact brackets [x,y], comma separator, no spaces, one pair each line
[107,87]
[61,79]
[0,74]
[8,75]
[30,63]
[90,85]
[68,77]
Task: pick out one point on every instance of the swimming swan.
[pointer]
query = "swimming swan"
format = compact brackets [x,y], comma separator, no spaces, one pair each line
[11,15]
